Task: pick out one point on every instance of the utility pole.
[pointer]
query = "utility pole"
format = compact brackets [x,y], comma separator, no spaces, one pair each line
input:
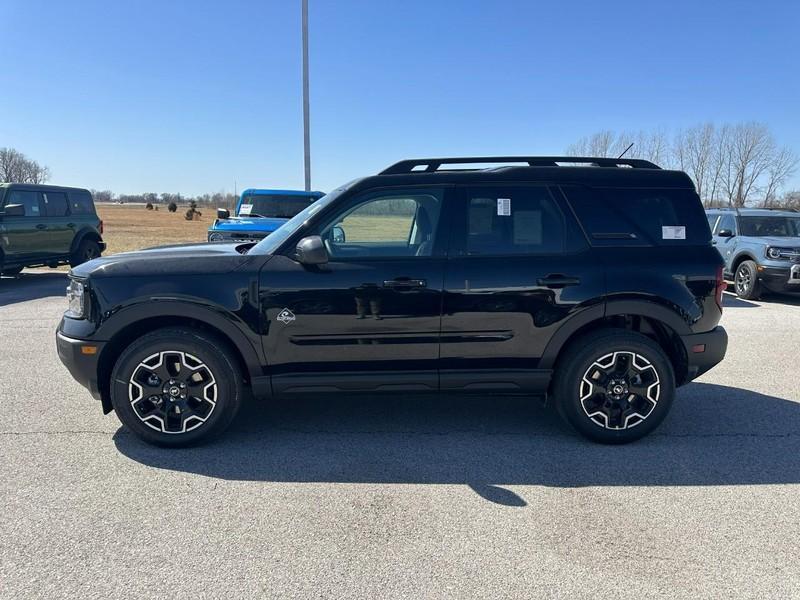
[306,134]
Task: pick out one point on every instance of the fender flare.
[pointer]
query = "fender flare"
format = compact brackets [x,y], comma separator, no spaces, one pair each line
[81,235]
[637,307]
[249,348]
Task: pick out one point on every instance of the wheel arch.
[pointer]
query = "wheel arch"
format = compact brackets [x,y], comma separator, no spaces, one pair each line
[740,258]
[132,323]
[87,233]
[661,324]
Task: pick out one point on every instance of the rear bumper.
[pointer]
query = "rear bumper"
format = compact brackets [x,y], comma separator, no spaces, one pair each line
[82,366]
[704,351]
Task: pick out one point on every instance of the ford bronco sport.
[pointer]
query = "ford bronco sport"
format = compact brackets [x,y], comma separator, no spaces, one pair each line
[47,225]
[760,247]
[591,282]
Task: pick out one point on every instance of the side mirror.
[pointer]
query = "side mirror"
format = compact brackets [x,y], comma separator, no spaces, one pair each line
[311,251]
[725,233]
[223,213]
[14,210]
[337,235]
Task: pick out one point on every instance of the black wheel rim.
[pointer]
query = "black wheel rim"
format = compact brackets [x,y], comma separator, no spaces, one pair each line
[172,392]
[620,390]
[743,280]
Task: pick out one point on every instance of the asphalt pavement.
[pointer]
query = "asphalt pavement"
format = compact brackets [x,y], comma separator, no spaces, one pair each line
[410,497]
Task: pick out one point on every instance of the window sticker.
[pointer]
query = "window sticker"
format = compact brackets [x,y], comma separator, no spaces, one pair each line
[673,232]
[245,209]
[504,207]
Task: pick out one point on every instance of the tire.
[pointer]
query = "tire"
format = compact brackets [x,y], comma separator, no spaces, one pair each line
[624,363]
[12,271]
[87,250]
[745,281]
[185,369]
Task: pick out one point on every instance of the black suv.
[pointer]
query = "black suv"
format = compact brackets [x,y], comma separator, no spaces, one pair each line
[589,281]
[47,225]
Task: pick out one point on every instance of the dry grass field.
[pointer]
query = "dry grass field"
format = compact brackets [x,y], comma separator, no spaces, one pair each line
[132,227]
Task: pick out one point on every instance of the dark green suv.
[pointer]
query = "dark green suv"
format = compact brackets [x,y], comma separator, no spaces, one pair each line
[47,225]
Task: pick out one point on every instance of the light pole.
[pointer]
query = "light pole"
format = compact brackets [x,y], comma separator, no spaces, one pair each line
[306,134]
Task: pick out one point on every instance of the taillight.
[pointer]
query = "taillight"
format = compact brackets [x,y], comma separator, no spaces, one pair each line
[101,227]
[721,286]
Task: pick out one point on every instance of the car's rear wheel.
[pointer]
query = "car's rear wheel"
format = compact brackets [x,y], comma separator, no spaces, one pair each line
[614,386]
[176,387]
[87,250]
[746,281]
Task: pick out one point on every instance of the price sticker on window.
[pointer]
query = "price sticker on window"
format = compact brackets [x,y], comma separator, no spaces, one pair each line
[673,232]
[245,209]
[504,207]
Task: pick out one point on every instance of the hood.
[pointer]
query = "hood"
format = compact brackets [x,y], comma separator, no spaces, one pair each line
[264,224]
[783,242]
[185,259]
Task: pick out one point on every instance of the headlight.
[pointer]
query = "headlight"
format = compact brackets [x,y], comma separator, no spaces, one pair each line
[76,299]
[215,237]
[776,253]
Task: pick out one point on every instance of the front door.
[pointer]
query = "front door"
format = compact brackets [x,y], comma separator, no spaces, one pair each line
[24,238]
[518,268]
[369,319]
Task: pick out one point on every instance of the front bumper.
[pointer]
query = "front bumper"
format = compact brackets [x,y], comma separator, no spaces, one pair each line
[704,351]
[781,279]
[82,366]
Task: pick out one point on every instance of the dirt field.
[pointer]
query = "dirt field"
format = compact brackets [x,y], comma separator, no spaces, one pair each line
[132,227]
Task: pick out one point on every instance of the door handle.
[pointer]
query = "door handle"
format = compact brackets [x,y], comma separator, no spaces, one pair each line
[71,225]
[557,281]
[405,283]
[41,226]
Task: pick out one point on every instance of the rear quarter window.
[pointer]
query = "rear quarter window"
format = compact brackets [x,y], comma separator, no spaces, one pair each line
[80,203]
[640,216]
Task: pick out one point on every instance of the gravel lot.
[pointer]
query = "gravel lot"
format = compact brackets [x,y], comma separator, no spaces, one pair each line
[411,497]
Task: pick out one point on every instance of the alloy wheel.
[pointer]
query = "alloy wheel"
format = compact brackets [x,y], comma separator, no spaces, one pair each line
[620,390]
[172,391]
[743,280]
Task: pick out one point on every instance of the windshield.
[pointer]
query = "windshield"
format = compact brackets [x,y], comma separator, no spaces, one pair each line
[274,240]
[283,206]
[770,226]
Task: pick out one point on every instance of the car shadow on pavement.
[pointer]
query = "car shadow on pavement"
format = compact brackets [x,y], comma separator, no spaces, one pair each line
[715,435]
[32,286]
[731,301]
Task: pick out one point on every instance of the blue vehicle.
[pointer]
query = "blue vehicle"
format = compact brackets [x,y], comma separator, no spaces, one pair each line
[760,247]
[259,213]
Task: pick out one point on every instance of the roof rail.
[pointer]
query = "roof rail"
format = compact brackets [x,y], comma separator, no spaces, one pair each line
[433,164]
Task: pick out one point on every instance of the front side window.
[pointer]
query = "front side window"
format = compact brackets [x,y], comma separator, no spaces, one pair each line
[726,222]
[386,224]
[55,204]
[30,200]
[513,220]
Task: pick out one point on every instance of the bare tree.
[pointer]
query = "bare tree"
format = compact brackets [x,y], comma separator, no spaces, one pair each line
[601,143]
[694,151]
[782,166]
[15,167]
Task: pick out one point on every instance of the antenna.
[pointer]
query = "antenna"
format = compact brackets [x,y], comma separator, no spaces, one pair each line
[624,152]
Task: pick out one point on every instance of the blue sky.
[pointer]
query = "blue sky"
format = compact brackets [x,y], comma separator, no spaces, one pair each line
[191,96]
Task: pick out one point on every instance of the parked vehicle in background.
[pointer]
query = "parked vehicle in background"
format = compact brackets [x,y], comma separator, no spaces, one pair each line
[47,225]
[259,213]
[760,247]
[594,285]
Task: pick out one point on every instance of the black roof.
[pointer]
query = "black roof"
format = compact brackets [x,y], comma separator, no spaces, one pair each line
[42,186]
[595,171]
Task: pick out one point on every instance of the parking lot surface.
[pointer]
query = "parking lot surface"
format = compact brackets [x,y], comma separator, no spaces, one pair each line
[402,497]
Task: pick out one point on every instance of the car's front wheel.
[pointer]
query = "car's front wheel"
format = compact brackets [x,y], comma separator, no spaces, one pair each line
[176,387]
[614,386]
[746,281]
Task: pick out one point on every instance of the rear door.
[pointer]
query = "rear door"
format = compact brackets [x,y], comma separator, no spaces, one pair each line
[60,227]
[518,268]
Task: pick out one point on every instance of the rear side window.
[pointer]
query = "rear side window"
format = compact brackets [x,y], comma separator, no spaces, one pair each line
[30,200]
[80,203]
[513,220]
[55,204]
[637,216]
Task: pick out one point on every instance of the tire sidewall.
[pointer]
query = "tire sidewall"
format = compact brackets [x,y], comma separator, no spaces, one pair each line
[207,350]
[580,357]
[78,258]
[752,291]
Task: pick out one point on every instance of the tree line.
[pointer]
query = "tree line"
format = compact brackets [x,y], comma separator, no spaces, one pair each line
[217,199]
[732,164]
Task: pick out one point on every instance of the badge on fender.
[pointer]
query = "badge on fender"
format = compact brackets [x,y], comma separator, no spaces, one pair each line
[286,316]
